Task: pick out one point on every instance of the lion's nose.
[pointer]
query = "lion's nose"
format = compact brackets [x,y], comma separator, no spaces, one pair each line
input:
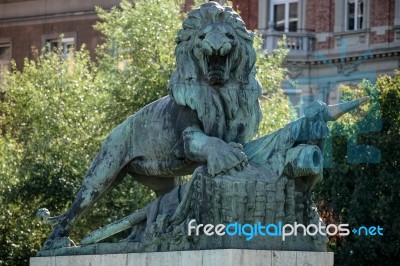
[225,49]
[220,50]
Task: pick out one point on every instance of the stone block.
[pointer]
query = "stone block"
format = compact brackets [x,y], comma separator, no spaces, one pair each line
[214,257]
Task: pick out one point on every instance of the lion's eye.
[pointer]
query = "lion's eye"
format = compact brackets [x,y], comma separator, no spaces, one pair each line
[230,36]
[202,36]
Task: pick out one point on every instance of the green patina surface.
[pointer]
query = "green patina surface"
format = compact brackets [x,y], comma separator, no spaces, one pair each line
[204,128]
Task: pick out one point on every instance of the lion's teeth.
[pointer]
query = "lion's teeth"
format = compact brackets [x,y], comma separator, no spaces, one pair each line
[227,68]
[205,64]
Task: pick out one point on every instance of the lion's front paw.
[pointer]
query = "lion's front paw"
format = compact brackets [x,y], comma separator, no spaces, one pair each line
[226,157]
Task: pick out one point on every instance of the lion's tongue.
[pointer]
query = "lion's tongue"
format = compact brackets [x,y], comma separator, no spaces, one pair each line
[216,75]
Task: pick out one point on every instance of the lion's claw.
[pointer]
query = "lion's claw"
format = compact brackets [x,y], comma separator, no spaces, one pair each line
[227,157]
[236,145]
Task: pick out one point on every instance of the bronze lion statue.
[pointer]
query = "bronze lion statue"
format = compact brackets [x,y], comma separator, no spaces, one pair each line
[205,127]
[211,111]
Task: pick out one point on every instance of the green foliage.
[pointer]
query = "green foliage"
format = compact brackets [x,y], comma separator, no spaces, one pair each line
[271,73]
[51,129]
[367,194]
[138,57]
[52,125]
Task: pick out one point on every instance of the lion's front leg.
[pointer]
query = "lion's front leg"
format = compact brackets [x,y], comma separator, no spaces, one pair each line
[219,155]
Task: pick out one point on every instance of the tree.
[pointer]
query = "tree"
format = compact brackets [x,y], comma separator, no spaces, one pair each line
[367,194]
[271,73]
[137,58]
[51,129]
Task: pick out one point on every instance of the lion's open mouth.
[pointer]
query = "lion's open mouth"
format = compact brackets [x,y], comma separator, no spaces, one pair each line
[216,69]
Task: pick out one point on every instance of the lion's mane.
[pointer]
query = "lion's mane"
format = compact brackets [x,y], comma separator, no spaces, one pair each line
[231,112]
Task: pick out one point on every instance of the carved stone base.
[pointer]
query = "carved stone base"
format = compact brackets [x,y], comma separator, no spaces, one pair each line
[215,257]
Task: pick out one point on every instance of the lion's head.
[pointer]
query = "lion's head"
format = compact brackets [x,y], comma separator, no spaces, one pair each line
[215,73]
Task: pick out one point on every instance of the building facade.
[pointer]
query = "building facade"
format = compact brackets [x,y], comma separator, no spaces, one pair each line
[331,42]
[28,24]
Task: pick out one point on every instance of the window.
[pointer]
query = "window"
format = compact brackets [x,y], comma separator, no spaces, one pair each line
[65,43]
[397,13]
[5,58]
[354,14]
[285,15]
[5,51]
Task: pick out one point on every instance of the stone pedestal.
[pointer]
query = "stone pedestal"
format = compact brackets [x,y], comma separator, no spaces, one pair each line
[196,258]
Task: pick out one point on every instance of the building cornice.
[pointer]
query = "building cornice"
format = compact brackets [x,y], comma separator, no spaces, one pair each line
[335,58]
[48,18]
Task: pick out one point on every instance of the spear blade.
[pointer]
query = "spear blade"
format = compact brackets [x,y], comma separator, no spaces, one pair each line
[337,110]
